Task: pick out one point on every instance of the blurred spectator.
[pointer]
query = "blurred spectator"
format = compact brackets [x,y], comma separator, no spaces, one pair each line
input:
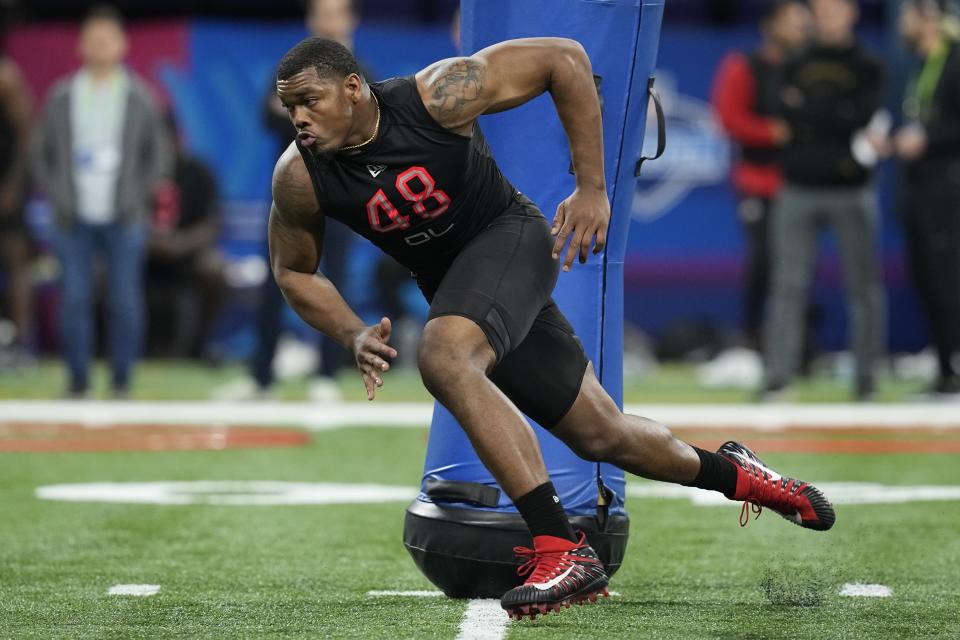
[14,242]
[745,96]
[455,29]
[830,94]
[100,150]
[929,146]
[185,283]
[337,20]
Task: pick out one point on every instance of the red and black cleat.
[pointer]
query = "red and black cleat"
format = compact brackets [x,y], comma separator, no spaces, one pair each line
[562,573]
[759,486]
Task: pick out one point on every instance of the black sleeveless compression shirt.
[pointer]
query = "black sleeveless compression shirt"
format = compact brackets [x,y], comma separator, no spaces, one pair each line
[418,192]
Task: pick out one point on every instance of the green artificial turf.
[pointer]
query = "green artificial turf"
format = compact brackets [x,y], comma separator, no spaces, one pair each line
[186,380]
[304,571]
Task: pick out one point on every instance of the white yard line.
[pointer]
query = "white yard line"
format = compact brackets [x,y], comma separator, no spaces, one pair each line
[419,414]
[484,619]
[828,416]
[261,414]
[858,590]
[134,590]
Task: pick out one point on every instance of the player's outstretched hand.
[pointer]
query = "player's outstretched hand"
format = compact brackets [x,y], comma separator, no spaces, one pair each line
[583,216]
[371,352]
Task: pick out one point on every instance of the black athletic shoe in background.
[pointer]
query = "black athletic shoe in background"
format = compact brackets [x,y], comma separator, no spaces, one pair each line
[561,573]
[759,486]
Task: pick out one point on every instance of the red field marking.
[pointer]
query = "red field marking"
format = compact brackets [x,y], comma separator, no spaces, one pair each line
[793,429]
[781,444]
[800,438]
[49,437]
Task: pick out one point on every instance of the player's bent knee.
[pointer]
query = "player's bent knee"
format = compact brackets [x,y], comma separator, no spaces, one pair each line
[599,443]
[436,371]
[444,365]
[452,349]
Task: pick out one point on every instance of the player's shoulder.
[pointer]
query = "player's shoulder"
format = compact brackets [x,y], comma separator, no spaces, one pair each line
[403,97]
[293,193]
[396,90]
[447,85]
[443,72]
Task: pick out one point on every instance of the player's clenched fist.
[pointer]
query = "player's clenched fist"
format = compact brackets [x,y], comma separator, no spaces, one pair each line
[371,352]
[580,218]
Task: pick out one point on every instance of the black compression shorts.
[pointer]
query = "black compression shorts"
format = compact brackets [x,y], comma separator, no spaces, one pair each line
[502,280]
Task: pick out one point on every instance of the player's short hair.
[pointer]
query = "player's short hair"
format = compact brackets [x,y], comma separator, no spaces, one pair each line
[330,59]
[103,12]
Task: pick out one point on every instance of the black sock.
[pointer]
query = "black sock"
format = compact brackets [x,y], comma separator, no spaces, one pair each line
[543,513]
[716,473]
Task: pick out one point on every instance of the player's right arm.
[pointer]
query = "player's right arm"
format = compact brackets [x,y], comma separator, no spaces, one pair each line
[295,233]
[456,91]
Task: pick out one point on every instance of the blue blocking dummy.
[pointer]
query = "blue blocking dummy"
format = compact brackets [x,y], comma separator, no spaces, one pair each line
[462,528]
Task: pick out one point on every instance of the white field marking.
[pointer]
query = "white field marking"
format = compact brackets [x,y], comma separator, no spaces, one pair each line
[419,414]
[836,492]
[259,493]
[856,589]
[404,594]
[261,414]
[134,590]
[255,493]
[484,619]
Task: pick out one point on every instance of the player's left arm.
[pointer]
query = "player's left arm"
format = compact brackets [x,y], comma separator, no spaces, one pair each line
[458,90]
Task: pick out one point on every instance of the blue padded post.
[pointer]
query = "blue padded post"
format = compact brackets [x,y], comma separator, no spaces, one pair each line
[621,39]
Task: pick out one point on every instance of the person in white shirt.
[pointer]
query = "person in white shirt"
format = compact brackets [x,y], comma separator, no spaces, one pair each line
[99,152]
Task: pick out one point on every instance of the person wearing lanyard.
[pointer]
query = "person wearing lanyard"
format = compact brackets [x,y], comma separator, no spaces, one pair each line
[928,145]
[99,151]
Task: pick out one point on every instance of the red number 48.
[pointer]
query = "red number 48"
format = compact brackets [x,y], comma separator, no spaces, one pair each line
[426,191]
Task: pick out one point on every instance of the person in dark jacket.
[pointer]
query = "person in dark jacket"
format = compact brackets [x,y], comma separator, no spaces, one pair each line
[15,245]
[928,145]
[830,95]
[186,287]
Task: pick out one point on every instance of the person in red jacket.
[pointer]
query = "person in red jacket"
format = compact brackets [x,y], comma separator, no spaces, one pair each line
[746,98]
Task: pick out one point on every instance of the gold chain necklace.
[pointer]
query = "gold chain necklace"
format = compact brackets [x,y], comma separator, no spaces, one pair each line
[376,128]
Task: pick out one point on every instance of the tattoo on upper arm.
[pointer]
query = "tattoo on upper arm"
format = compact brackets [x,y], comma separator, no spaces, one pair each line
[460,84]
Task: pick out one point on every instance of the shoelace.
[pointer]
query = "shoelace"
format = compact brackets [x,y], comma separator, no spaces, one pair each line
[775,493]
[541,567]
[745,512]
